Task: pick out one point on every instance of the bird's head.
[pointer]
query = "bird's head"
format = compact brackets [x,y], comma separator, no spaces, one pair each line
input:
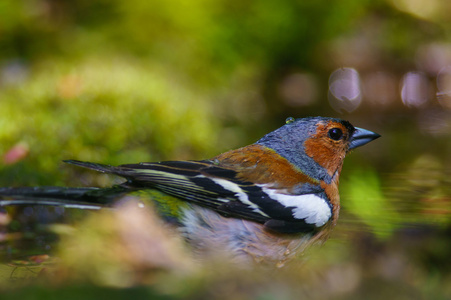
[317,145]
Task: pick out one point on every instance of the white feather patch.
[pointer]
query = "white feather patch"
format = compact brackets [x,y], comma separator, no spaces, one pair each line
[242,196]
[310,208]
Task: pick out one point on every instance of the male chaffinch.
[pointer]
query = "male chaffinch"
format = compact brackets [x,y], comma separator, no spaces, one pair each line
[263,202]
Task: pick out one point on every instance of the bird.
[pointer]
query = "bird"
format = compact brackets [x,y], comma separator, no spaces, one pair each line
[264,203]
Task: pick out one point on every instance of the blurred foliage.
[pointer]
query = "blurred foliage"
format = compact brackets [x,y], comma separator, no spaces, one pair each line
[80,112]
[376,211]
[128,81]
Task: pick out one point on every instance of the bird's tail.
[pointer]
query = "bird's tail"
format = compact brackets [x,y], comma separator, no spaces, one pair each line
[84,198]
[93,166]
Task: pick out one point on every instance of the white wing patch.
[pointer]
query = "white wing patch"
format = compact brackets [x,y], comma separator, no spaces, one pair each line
[310,208]
[242,196]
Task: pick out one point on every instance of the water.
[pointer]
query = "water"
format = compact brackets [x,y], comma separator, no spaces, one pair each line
[393,238]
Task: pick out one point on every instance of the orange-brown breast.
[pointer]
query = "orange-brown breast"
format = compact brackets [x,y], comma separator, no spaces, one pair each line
[331,191]
[262,165]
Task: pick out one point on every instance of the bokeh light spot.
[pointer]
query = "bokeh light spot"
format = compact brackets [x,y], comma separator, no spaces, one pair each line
[426,9]
[444,87]
[344,90]
[415,89]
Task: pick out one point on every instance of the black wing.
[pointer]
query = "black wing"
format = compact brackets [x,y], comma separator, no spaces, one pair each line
[210,185]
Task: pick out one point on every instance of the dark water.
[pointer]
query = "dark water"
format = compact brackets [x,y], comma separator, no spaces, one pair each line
[29,236]
[398,246]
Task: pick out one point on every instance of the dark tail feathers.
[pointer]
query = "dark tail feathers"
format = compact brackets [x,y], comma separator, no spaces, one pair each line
[93,166]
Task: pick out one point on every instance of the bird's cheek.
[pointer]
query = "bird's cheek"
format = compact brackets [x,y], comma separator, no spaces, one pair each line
[316,149]
[326,156]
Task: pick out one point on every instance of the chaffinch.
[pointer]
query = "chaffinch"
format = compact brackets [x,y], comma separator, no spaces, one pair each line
[263,202]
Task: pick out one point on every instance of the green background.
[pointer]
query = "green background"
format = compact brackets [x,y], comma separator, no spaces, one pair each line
[129,81]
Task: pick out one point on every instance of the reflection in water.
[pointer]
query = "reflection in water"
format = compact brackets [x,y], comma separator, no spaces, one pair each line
[392,231]
[26,241]
[29,231]
[435,122]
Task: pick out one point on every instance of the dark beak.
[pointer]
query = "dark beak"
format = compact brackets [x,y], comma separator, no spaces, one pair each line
[361,137]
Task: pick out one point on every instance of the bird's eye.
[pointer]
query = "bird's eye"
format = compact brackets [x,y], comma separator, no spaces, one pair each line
[335,134]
